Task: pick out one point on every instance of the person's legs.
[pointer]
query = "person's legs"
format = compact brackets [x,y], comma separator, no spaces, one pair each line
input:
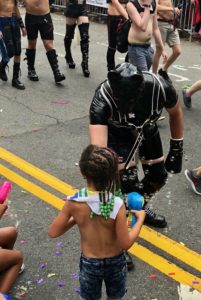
[176,51]
[32,35]
[194,177]
[112,24]
[115,276]
[9,47]
[10,260]
[47,36]
[90,278]
[187,93]
[70,31]
[140,57]
[155,174]
[83,25]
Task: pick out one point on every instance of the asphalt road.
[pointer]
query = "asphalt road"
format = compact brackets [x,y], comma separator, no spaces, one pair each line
[47,126]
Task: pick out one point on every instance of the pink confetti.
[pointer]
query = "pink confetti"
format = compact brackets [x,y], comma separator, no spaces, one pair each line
[152,276]
[22,242]
[195,282]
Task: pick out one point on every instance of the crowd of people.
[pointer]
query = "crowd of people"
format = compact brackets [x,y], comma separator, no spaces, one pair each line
[123,131]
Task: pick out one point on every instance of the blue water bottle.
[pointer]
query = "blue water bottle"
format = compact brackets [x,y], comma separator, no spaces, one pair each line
[135,202]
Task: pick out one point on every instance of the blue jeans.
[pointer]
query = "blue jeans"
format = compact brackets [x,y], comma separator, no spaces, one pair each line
[93,271]
[141,56]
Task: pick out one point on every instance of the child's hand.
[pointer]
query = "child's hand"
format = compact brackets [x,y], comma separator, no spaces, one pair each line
[140,214]
[3,208]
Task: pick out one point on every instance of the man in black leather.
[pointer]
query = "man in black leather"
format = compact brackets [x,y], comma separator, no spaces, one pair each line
[123,116]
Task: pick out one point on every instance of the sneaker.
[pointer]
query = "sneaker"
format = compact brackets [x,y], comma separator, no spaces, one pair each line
[195,180]
[186,99]
[129,261]
[22,268]
[153,219]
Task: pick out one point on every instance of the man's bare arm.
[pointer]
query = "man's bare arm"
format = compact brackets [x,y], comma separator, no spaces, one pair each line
[122,11]
[176,121]
[98,135]
[140,21]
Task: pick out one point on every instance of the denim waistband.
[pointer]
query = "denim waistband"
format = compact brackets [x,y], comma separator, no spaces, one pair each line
[140,45]
[105,260]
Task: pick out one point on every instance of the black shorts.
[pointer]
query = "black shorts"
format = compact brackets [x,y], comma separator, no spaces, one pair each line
[42,24]
[75,10]
[11,35]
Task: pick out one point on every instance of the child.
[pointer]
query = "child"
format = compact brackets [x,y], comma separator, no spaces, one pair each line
[101,218]
[10,259]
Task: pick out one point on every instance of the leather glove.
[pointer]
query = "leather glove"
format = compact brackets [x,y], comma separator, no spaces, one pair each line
[173,161]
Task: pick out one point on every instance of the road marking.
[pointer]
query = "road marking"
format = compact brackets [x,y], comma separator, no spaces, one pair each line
[32,188]
[180,78]
[35,172]
[172,247]
[186,293]
[166,267]
[166,244]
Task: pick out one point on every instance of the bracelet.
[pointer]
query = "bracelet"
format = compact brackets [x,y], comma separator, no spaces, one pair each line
[147,5]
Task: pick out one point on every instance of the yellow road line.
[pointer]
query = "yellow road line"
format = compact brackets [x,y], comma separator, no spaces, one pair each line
[32,188]
[35,172]
[165,266]
[172,247]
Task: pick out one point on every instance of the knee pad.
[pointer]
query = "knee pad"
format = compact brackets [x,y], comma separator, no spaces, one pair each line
[8,40]
[129,180]
[17,40]
[155,178]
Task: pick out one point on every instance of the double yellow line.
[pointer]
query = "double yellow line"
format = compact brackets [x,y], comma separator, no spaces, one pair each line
[177,250]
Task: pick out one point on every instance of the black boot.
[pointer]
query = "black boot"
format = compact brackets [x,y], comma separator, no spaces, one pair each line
[30,56]
[153,219]
[3,75]
[52,58]
[84,44]
[70,30]
[16,82]
[110,59]
[129,261]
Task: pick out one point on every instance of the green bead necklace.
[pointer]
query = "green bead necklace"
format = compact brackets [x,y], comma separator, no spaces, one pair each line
[106,207]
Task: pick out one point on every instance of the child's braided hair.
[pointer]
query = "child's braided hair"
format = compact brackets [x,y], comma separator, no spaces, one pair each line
[100,167]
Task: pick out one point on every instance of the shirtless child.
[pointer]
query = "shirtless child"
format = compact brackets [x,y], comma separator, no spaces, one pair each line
[10,25]
[144,25]
[38,19]
[101,218]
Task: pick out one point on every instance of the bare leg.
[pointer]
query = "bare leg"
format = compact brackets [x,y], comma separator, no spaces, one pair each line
[10,260]
[194,88]
[176,51]
[198,171]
